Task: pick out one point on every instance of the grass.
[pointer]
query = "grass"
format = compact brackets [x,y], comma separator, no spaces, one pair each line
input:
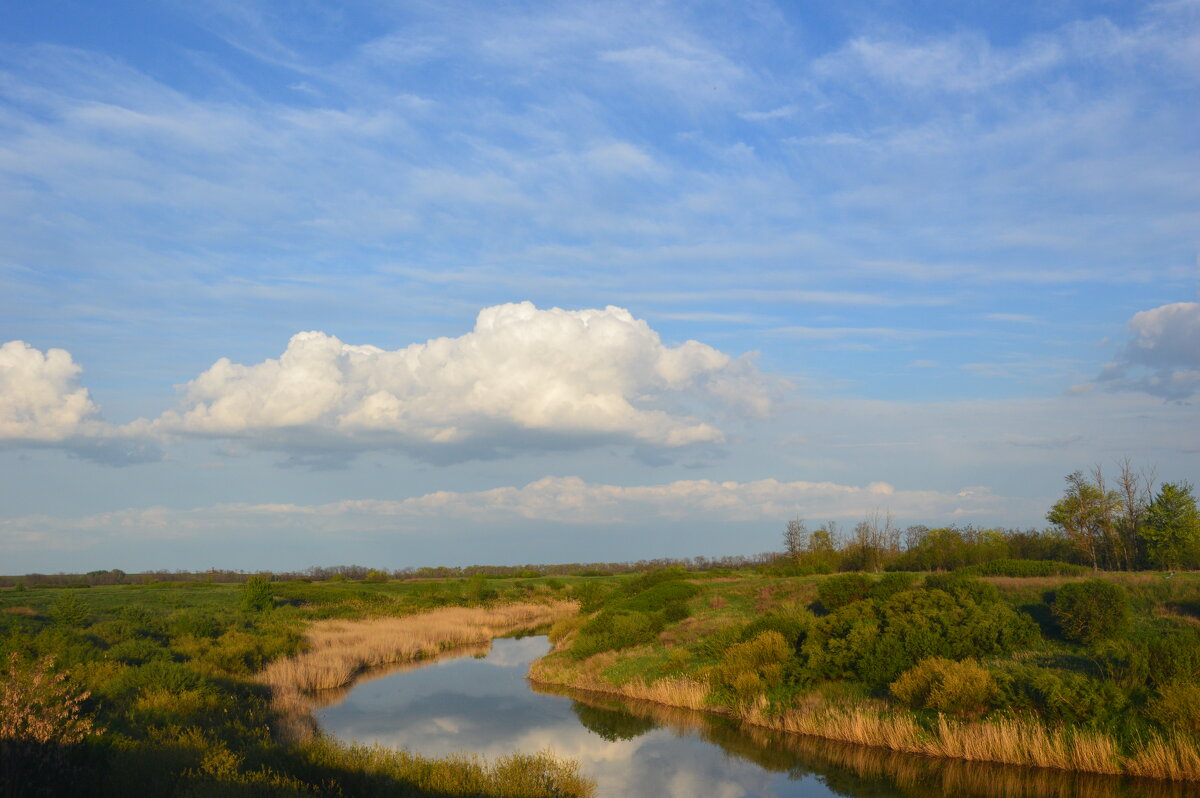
[170,682]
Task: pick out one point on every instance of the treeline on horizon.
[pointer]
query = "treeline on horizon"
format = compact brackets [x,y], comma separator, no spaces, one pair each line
[1125,525]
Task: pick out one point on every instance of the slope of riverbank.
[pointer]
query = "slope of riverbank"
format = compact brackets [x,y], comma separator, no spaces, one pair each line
[1004,685]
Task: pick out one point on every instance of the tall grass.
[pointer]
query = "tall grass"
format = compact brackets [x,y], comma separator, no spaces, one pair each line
[339,651]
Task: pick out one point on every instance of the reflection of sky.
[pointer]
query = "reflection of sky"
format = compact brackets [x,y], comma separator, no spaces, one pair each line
[485,706]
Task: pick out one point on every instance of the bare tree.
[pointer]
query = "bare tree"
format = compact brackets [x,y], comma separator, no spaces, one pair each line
[795,539]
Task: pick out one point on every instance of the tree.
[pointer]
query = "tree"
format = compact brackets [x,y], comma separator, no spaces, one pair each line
[1087,514]
[795,539]
[1172,526]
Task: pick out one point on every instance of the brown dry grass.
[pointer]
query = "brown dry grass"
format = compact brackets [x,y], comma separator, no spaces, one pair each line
[339,651]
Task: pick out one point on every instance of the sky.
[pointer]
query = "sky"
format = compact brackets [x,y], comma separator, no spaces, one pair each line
[298,283]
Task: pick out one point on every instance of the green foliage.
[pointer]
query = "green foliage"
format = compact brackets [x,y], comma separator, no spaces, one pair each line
[714,644]
[791,628]
[1060,697]
[943,685]
[1153,657]
[376,577]
[660,597]
[257,595]
[875,641]
[1177,707]
[892,583]
[652,578]
[958,584]
[69,610]
[1024,568]
[1172,528]
[749,669]
[615,629]
[838,591]
[137,650]
[478,591]
[1091,611]
[591,595]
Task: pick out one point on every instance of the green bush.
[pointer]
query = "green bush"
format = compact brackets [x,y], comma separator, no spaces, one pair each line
[615,629]
[1060,697]
[660,596]
[376,577]
[1023,568]
[591,595]
[1091,611]
[1177,707]
[714,644]
[749,669]
[875,641]
[137,651]
[257,595]
[68,610]
[791,627]
[892,583]
[652,578]
[958,584]
[943,685]
[836,592]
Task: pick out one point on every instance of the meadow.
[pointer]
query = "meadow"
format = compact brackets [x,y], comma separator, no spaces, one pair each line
[167,688]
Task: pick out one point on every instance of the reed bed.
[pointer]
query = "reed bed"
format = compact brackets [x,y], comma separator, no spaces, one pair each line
[339,651]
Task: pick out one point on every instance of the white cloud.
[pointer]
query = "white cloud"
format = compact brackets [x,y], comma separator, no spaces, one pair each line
[42,404]
[962,62]
[40,396]
[566,501]
[1163,356]
[524,378]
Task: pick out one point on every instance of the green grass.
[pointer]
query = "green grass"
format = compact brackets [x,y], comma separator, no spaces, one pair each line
[170,667]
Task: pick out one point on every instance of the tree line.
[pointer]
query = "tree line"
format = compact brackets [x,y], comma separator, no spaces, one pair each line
[1126,523]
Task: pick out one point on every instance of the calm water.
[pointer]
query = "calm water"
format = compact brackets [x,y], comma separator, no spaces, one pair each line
[480,702]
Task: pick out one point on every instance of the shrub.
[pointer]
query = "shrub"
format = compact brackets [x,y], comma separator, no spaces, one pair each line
[714,644]
[838,591]
[791,627]
[958,584]
[749,669]
[195,623]
[591,595]
[1177,707]
[68,610]
[1060,697]
[660,596]
[615,629]
[1024,568]
[375,576]
[875,641]
[652,578]
[891,584]
[1091,611]
[958,688]
[478,590]
[137,651]
[256,594]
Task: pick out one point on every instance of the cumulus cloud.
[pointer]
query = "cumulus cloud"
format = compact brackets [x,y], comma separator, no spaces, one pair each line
[563,501]
[42,404]
[524,378]
[1163,356]
[40,396]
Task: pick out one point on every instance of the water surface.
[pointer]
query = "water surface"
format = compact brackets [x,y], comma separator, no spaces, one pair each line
[480,702]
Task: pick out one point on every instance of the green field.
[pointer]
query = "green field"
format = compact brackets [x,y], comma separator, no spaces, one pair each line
[171,706]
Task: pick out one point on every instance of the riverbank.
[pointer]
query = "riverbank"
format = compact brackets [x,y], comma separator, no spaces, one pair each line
[722,654]
[339,651]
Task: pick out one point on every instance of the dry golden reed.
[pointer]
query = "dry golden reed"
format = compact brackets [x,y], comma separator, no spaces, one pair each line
[339,651]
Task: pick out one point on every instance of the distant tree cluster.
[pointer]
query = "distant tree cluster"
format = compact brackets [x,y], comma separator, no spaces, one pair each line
[1123,525]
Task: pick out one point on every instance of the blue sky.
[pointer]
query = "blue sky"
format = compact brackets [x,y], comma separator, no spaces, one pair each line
[685,271]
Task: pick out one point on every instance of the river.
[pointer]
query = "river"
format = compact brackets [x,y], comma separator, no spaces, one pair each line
[479,701]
